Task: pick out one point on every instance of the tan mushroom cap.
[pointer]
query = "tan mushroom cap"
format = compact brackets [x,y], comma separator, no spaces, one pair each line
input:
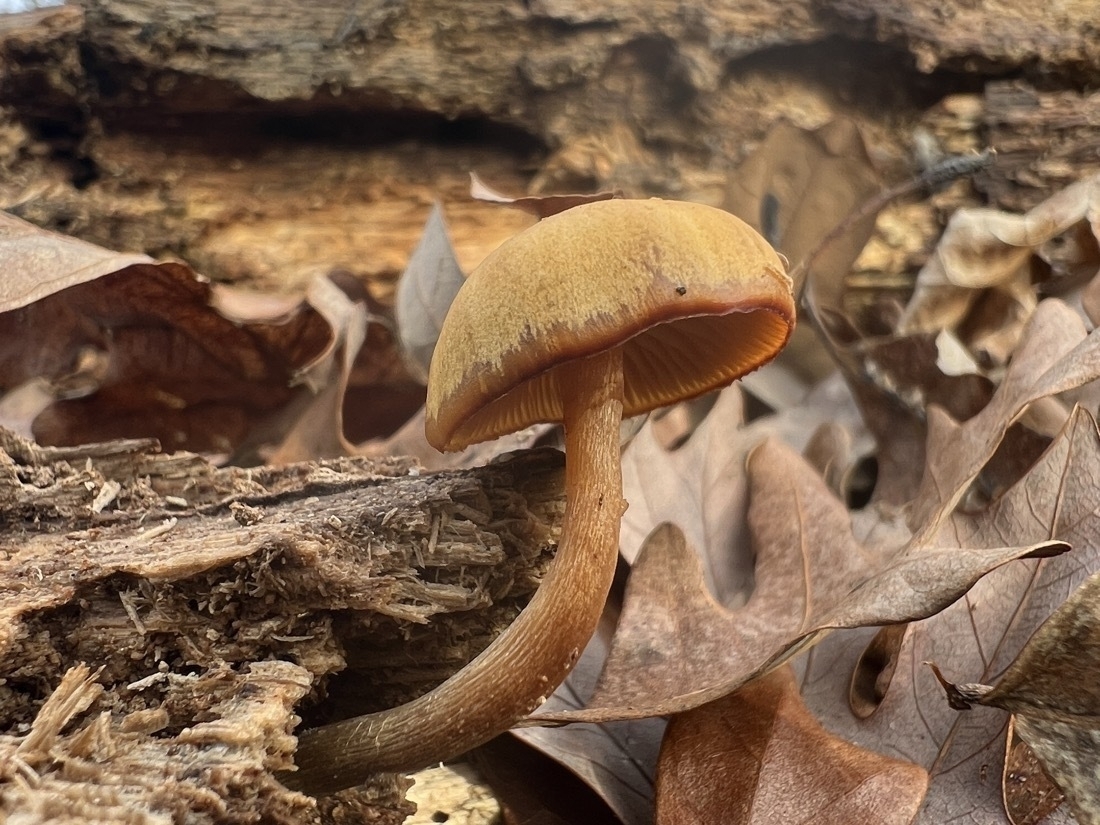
[694,296]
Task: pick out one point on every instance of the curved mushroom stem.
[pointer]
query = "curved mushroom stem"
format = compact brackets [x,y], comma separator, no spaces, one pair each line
[522,667]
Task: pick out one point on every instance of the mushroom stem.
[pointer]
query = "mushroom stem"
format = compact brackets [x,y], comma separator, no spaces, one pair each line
[519,670]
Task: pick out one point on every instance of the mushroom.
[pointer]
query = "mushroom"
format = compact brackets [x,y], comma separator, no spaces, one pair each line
[606,310]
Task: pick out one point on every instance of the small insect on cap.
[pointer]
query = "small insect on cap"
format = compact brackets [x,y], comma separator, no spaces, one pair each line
[693,295]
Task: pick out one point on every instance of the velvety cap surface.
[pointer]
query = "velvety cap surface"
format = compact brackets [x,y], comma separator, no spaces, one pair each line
[695,297]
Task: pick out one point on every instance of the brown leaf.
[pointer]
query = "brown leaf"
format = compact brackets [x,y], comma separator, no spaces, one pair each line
[357,385]
[677,648]
[895,379]
[975,638]
[129,348]
[425,291]
[318,428]
[1053,688]
[797,186]
[541,206]
[140,352]
[37,263]
[153,350]
[382,393]
[1067,749]
[758,756]
[794,189]
[986,249]
[700,485]
[1054,356]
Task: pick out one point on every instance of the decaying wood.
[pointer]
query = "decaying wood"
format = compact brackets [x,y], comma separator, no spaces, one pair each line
[209,601]
[77,765]
[266,145]
[453,794]
[265,149]
[1045,141]
[982,36]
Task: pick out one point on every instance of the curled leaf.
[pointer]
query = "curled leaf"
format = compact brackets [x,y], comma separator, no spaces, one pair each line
[37,263]
[541,206]
[986,249]
[425,292]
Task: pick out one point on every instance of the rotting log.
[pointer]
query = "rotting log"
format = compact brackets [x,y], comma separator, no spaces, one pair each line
[263,147]
[320,142]
[162,620]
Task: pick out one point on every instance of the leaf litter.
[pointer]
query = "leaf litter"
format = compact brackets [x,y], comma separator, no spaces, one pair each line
[677,648]
[967,491]
[746,547]
[129,349]
[736,760]
[975,638]
[1052,691]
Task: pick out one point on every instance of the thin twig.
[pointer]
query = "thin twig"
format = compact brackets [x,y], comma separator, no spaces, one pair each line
[935,176]
[952,168]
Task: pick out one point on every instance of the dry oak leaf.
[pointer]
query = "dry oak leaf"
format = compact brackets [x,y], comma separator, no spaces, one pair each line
[700,485]
[794,189]
[923,462]
[1053,689]
[131,348]
[986,249]
[676,648]
[425,292]
[797,185]
[901,708]
[758,757]
[665,482]
[1054,355]
[895,379]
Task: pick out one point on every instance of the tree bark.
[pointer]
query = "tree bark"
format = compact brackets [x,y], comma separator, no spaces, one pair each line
[212,600]
[263,147]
